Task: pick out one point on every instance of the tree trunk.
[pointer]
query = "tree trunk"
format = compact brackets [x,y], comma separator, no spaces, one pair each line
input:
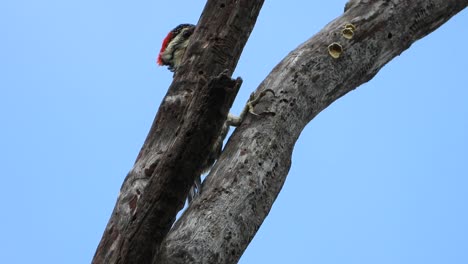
[242,186]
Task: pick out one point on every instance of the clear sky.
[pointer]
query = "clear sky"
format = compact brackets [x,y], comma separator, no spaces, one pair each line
[381,176]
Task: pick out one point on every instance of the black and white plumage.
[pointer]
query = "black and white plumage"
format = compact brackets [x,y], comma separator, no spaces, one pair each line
[174,46]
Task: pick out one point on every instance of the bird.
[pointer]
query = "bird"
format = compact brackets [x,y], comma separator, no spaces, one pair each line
[172,51]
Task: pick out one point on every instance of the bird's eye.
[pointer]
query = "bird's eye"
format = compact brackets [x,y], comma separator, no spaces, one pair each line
[186,33]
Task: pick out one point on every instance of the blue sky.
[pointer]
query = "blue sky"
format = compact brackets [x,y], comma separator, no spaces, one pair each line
[378,177]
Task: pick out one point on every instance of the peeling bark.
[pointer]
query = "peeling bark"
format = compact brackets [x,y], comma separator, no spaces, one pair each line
[243,184]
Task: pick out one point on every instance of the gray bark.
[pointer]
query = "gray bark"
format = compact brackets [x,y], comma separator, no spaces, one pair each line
[242,186]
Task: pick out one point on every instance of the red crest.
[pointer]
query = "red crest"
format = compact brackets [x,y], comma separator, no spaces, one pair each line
[164,45]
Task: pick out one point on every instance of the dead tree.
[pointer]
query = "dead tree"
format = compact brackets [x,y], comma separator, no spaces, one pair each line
[242,186]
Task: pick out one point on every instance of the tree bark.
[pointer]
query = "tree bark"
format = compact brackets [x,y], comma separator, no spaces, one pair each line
[242,186]
[187,124]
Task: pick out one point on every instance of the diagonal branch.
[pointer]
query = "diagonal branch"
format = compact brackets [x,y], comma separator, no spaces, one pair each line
[243,184]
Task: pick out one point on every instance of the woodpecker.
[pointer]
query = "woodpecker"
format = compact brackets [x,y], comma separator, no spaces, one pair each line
[172,51]
[174,46]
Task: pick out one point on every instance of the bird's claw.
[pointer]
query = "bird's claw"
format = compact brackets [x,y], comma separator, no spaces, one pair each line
[253,101]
